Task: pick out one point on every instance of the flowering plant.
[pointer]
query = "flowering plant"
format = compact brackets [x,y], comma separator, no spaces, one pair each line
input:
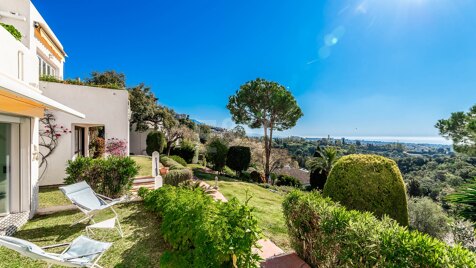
[116,147]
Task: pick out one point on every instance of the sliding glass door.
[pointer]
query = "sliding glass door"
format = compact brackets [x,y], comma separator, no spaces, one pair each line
[5,159]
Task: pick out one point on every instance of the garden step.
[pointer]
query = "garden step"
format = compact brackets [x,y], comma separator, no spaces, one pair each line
[284,261]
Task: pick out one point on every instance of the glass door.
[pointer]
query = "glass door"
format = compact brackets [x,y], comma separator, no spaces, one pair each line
[5,155]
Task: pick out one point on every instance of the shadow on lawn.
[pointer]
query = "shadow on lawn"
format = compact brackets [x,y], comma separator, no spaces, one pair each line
[58,229]
[145,243]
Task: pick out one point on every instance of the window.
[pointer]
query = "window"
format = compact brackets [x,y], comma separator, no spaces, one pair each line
[45,68]
[79,141]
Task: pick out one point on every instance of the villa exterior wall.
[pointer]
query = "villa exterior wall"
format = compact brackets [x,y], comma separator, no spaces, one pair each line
[102,107]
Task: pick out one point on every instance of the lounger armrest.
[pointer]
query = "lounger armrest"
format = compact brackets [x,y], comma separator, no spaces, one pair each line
[84,255]
[117,200]
[56,246]
[104,197]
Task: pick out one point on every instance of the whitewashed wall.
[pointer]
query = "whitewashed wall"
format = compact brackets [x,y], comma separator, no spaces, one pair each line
[108,107]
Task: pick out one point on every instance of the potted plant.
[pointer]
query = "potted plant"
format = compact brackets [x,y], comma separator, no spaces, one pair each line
[164,170]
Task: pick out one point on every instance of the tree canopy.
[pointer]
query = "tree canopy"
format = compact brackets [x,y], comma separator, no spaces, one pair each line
[108,78]
[261,103]
[461,129]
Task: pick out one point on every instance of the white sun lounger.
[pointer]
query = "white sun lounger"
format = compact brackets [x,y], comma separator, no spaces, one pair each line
[82,252]
[89,202]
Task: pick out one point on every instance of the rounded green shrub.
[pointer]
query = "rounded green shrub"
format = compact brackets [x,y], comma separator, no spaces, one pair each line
[155,142]
[179,160]
[238,158]
[286,180]
[255,176]
[186,150]
[369,183]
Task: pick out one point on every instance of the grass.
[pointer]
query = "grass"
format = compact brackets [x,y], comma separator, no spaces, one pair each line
[52,196]
[145,164]
[141,246]
[267,204]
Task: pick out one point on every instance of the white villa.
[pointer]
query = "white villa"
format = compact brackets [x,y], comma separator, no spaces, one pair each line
[23,102]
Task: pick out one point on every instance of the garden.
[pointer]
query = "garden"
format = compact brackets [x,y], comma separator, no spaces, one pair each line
[355,212]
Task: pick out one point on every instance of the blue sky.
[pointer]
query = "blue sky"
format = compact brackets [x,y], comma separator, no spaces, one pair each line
[357,68]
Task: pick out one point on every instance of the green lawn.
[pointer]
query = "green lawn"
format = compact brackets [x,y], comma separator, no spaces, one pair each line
[141,246]
[52,196]
[267,205]
[145,164]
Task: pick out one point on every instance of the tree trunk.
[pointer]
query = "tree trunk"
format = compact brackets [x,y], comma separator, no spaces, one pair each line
[270,145]
[169,148]
[266,154]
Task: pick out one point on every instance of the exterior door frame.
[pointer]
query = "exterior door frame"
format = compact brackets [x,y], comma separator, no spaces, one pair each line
[13,164]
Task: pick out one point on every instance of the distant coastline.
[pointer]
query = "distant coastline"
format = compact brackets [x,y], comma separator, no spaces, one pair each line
[401,139]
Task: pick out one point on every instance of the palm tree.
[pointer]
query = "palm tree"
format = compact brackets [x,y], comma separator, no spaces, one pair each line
[321,165]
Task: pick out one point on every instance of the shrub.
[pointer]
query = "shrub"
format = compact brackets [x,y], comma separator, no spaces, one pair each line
[369,183]
[238,158]
[245,176]
[202,232]
[116,147]
[326,234]
[170,163]
[317,179]
[176,176]
[186,150]
[179,160]
[255,176]
[428,217]
[463,233]
[155,142]
[228,172]
[217,150]
[286,180]
[112,176]
[50,78]
[12,30]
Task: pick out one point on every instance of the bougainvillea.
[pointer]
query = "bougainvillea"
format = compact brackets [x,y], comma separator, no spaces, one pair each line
[49,137]
[116,147]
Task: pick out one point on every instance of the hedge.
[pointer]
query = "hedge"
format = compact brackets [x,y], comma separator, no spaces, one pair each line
[179,160]
[326,234]
[238,158]
[155,142]
[369,183]
[112,176]
[202,232]
[177,173]
[170,163]
[174,177]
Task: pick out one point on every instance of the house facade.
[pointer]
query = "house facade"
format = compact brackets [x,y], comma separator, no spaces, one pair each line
[25,100]
[107,118]
[22,104]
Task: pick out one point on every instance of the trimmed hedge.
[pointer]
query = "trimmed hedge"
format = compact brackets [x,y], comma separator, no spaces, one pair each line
[369,183]
[238,158]
[155,142]
[170,163]
[177,173]
[202,232]
[179,160]
[174,177]
[326,234]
